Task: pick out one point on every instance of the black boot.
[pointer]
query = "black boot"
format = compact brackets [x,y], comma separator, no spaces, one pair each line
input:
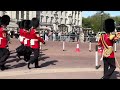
[3,67]
[18,58]
[28,65]
[36,64]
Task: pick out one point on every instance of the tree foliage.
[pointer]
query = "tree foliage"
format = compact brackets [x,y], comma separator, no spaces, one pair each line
[95,21]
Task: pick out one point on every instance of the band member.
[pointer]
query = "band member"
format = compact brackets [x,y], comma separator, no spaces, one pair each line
[4,42]
[20,50]
[35,42]
[28,51]
[106,41]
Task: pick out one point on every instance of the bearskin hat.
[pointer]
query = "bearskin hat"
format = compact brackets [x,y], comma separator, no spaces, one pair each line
[5,20]
[0,20]
[21,24]
[109,25]
[35,22]
[27,24]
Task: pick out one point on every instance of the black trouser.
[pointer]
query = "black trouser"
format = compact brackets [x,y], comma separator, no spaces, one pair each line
[109,67]
[4,54]
[27,53]
[35,57]
[21,50]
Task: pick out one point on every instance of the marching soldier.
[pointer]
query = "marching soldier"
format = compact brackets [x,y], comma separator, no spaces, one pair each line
[20,50]
[28,51]
[106,41]
[4,42]
[35,42]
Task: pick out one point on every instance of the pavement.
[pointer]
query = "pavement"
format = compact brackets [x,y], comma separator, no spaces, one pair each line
[58,64]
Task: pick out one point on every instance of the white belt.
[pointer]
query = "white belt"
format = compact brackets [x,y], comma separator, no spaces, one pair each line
[25,41]
[0,40]
[21,38]
[32,41]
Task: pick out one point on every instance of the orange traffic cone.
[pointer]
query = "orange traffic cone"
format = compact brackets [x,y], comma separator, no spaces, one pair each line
[77,48]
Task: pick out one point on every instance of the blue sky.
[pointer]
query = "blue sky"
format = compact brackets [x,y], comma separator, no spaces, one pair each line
[90,13]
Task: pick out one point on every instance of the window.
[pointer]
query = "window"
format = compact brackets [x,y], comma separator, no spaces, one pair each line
[51,12]
[75,13]
[75,21]
[61,20]
[17,15]
[42,17]
[38,14]
[27,14]
[65,20]
[41,11]
[22,14]
[47,18]
[72,13]
[78,22]
[61,13]
[65,14]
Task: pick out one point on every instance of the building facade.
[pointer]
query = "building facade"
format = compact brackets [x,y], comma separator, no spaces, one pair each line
[57,20]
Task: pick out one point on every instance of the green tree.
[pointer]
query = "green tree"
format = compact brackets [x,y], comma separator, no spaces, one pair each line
[94,21]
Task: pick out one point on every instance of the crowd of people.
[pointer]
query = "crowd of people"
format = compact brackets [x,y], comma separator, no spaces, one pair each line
[29,38]
[59,35]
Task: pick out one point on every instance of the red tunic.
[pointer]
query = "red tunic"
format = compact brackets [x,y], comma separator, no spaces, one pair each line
[109,43]
[3,38]
[22,36]
[35,40]
[27,38]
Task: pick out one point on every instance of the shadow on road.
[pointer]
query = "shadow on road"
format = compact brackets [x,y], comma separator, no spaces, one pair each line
[12,51]
[48,63]
[115,75]
[44,49]
[13,60]
[43,58]
[19,65]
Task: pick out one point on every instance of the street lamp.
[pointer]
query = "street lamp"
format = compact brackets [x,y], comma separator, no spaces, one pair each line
[102,12]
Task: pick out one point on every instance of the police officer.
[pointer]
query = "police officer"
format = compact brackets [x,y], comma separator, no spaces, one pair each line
[4,42]
[35,42]
[28,51]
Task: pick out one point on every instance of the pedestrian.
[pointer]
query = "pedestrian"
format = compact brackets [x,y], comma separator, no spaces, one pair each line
[35,43]
[21,49]
[4,51]
[106,42]
[28,51]
[54,36]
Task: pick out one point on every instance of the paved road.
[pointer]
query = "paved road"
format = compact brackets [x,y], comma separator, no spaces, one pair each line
[52,57]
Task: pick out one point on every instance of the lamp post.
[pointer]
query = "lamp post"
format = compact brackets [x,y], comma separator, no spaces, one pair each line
[102,12]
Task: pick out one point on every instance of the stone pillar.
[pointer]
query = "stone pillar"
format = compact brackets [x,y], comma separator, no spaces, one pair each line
[24,14]
[1,13]
[20,15]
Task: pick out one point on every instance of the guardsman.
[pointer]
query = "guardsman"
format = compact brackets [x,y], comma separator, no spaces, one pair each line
[106,41]
[28,51]
[20,50]
[35,42]
[4,42]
